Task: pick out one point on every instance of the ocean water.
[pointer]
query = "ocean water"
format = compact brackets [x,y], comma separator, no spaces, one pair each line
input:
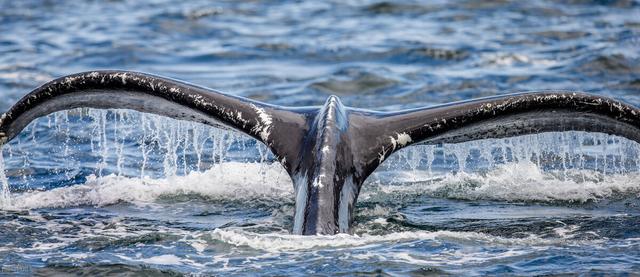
[100,192]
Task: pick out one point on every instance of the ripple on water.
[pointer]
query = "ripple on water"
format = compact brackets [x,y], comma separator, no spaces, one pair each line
[353,81]
[609,64]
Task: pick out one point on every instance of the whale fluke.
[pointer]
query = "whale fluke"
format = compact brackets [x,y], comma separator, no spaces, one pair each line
[162,96]
[500,117]
[328,151]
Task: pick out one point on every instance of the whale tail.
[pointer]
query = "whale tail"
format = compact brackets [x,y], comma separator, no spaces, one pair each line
[328,151]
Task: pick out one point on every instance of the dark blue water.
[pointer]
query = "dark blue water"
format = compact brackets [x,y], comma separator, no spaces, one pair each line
[114,192]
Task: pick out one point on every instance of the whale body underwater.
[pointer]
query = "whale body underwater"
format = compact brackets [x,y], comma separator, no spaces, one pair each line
[328,151]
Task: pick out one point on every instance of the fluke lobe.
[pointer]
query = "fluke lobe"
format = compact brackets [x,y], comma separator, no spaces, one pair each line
[330,150]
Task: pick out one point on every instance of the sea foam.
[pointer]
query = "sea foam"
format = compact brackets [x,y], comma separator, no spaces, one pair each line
[227,180]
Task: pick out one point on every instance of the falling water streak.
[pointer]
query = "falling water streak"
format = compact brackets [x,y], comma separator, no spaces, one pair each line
[197,147]
[177,145]
[120,144]
[5,196]
[143,146]
[185,143]
[560,152]
[604,143]
[414,162]
[164,147]
[103,142]
[430,156]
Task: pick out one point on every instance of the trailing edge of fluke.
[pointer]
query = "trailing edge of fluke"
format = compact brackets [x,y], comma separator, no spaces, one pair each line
[330,150]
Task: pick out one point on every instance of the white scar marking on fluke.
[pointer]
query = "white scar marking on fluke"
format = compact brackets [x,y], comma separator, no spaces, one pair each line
[325,149]
[240,119]
[124,78]
[68,81]
[401,140]
[318,181]
[198,99]
[382,155]
[93,74]
[264,123]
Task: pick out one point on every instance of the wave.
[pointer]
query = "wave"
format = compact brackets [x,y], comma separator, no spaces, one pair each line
[286,242]
[517,181]
[234,180]
[521,181]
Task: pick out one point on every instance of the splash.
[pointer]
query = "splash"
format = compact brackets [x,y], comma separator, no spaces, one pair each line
[554,151]
[518,181]
[98,157]
[547,167]
[225,181]
[64,148]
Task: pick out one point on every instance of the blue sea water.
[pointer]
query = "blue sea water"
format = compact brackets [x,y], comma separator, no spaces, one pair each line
[93,192]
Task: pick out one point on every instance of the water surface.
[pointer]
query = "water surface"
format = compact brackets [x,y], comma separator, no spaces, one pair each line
[98,192]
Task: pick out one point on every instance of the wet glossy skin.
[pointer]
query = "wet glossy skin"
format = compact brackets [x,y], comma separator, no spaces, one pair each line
[328,151]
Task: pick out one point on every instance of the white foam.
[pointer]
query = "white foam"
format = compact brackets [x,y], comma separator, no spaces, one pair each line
[158,260]
[79,256]
[510,59]
[287,242]
[520,181]
[450,257]
[163,260]
[227,180]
